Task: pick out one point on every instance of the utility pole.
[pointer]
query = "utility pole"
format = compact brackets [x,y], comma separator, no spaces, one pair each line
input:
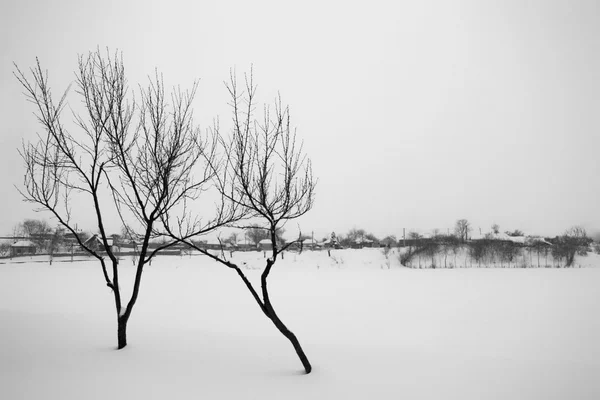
[404,236]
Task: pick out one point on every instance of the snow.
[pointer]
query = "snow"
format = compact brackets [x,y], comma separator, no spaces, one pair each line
[23,243]
[370,331]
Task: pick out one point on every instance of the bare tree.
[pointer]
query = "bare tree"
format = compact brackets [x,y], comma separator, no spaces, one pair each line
[147,156]
[573,242]
[272,183]
[415,248]
[55,242]
[389,241]
[4,249]
[257,233]
[495,229]
[480,249]
[515,233]
[508,252]
[38,231]
[462,229]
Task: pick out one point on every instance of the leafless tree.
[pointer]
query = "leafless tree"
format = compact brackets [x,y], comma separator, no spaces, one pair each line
[38,231]
[496,229]
[55,242]
[462,229]
[232,239]
[257,233]
[573,242]
[4,249]
[449,244]
[515,233]
[389,241]
[271,181]
[147,156]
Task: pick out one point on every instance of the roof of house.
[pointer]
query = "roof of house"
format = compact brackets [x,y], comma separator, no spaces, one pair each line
[515,239]
[96,237]
[537,239]
[488,235]
[23,243]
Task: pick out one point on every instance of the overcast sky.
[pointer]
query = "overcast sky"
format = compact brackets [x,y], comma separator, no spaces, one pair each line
[415,114]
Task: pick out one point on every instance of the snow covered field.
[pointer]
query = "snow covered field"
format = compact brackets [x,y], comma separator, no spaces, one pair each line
[370,332]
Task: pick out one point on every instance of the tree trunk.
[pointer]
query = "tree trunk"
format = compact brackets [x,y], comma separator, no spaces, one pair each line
[291,337]
[122,332]
[269,311]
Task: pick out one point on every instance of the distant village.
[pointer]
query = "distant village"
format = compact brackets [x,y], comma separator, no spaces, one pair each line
[37,237]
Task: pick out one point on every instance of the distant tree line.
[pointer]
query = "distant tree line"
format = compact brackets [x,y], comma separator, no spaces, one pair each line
[45,238]
[456,250]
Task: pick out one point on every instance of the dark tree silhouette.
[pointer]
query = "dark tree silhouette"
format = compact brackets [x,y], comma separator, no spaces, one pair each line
[515,233]
[496,229]
[147,156]
[573,242]
[38,231]
[257,233]
[462,228]
[270,179]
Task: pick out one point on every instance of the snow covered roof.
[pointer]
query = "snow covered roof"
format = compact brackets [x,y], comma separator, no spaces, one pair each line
[23,243]
[515,239]
[265,241]
[488,235]
[96,237]
[537,239]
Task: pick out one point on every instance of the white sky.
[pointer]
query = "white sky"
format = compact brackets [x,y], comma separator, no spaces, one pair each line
[415,114]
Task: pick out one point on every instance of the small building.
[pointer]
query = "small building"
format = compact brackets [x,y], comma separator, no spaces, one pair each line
[304,244]
[265,244]
[22,248]
[245,246]
[329,244]
[362,242]
[95,243]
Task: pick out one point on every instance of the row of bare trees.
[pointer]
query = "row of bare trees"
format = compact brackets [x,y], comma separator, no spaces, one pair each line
[445,251]
[164,176]
[46,238]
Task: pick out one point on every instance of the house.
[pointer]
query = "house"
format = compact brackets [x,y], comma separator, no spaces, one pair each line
[265,244]
[362,242]
[537,241]
[329,244]
[22,247]
[95,242]
[526,241]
